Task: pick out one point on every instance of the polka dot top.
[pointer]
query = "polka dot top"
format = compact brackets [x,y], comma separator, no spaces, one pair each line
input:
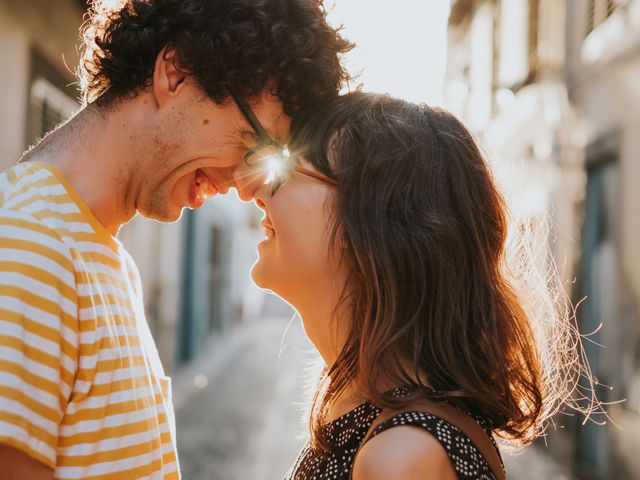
[346,433]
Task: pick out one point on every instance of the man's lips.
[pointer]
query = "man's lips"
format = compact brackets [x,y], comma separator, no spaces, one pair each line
[201,189]
[205,184]
[220,177]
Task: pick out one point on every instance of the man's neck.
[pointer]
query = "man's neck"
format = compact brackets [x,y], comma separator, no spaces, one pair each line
[93,150]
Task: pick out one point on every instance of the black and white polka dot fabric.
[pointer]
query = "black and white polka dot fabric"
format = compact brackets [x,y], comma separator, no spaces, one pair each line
[346,433]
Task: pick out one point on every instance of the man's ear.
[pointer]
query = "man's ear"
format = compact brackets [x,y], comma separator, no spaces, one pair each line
[168,78]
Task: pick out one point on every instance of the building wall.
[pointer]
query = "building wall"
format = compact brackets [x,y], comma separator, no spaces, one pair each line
[603,78]
[14,54]
[158,252]
[26,26]
[567,134]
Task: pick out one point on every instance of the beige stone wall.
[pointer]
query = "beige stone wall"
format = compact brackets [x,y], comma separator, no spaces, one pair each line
[51,26]
[14,58]
[52,29]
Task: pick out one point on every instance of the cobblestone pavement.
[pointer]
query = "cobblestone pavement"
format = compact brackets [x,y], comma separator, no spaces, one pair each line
[246,423]
[533,464]
[243,421]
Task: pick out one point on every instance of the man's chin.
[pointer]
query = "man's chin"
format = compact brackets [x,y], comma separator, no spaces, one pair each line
[166,216]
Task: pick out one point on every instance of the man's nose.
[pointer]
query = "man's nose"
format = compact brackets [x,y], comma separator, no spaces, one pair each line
[248,180]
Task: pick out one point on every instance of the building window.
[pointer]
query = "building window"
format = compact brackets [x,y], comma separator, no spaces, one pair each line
[607,24]
[515,42]
[51,97]
[49,106]
[599,10]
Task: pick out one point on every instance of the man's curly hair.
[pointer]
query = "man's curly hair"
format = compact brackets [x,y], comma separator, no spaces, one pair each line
[244,45]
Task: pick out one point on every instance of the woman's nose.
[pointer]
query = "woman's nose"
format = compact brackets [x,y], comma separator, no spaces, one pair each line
[248,180]
[261,196]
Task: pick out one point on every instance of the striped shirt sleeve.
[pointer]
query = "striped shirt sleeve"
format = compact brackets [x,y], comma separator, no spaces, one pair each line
[38,335]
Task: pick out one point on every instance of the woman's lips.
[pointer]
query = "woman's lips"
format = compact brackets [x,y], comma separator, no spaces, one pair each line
[269,231]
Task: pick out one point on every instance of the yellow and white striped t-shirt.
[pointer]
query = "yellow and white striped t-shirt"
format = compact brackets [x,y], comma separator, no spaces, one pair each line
[81,385]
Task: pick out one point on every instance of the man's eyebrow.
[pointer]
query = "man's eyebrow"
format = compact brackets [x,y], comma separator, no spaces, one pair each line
[245,127]
[274,135]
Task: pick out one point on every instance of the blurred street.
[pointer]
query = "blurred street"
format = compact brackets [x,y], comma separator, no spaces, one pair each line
[244,419]
[246,423]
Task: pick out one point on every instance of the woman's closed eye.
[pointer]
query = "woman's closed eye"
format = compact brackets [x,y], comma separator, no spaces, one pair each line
[279,180]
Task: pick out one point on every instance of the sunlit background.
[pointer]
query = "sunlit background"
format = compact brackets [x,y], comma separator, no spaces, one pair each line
[552,90]
[401,46]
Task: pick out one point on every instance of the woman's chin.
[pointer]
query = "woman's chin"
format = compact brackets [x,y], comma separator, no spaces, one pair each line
[258,275]
[263,280]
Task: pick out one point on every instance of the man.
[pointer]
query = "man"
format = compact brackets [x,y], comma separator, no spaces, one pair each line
[178,93]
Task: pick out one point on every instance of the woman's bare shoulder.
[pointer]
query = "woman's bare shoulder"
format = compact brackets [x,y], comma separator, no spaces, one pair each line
[403,452]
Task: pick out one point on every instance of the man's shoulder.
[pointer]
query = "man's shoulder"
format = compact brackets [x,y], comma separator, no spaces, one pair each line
[21,178]
[22,232]
[17,222]
[33,194]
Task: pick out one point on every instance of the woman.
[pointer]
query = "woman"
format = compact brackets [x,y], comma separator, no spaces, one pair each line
[388,237]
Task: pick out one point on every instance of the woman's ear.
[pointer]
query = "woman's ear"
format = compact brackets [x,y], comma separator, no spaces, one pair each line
[168,78]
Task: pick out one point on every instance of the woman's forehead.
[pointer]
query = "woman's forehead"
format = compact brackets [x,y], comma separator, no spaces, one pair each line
[303,162]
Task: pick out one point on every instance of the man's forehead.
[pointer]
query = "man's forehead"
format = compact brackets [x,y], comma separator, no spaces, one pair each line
[281,129]
[268,109]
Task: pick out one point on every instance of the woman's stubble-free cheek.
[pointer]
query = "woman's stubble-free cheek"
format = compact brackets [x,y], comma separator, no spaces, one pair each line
[301,241]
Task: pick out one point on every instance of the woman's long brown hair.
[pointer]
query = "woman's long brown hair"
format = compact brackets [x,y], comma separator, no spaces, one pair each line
[423,230]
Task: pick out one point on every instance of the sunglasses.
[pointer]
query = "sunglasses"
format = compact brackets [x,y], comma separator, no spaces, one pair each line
[266,144]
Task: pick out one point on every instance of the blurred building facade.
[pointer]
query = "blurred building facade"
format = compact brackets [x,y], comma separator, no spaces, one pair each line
[552,88]
[194,272]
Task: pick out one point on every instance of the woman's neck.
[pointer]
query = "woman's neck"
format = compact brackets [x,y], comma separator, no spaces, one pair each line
[324,317]
[346,401]
[353,396]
